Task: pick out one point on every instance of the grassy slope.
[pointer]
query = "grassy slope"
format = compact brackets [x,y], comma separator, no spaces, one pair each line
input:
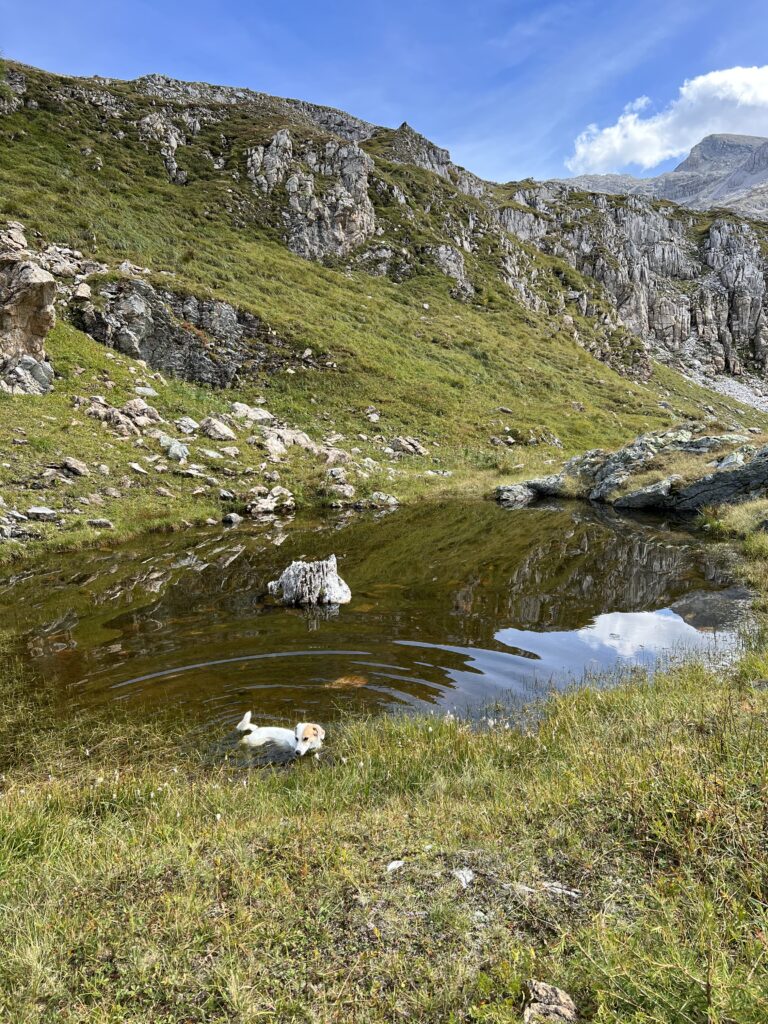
[440,374]
[140,883]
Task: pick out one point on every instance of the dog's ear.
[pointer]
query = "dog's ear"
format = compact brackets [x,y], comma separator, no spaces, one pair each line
[321,732]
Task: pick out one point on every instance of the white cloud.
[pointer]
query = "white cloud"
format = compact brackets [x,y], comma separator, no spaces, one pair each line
[734,100]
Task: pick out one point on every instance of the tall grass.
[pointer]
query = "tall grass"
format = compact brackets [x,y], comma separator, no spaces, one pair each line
[142,879]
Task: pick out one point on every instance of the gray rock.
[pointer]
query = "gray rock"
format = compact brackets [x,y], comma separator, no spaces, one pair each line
[515,495]
[545,1004]
[75,467]
[101,524]
[342,491]
[232,519]
[26,376]
[554,486]
[199,340]
[409,446]
[278,500]
[250,413]
[319,222]
[216,430]
[382,500]
[699,302]
[653,496]
[451,263]
[41,513]
[175,450]
[26,310]
[187,425]
[311,583]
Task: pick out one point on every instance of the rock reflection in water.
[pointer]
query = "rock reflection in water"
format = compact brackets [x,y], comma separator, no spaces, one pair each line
[451,604]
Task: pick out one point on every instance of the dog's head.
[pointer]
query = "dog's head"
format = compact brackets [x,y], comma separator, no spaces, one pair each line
[308,737]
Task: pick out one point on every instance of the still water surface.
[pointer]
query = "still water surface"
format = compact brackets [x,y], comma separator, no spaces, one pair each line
[454,605]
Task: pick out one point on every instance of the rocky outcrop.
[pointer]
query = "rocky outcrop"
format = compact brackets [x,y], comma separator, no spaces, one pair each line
[27,315]
[699,302]
[327,210]
[158,127]
[200,340]
[407,146]
[451,263]
[733,474]
[354,129]
[13,85]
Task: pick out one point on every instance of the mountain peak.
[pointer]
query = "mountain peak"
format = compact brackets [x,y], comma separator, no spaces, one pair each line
[720,153]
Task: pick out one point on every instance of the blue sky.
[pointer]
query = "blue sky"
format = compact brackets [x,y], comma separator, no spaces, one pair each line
[506,86]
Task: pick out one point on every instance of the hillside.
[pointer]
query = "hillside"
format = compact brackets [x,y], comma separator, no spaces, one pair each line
[245,247]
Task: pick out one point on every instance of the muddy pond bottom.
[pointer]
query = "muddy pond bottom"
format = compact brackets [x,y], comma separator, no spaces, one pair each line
[455,606]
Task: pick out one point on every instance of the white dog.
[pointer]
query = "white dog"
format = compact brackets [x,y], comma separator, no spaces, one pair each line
[306,736]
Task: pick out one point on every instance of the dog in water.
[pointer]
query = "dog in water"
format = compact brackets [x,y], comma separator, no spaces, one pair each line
[305,737]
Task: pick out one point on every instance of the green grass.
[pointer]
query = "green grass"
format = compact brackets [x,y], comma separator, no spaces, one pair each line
[144,880]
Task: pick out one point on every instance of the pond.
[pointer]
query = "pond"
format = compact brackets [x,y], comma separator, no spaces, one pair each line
[455,605]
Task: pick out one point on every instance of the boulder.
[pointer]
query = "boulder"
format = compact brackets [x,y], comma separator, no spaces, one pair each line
[26,308]
[653,496]
[515,495]
[409,446]
[101,524]
[174,449]
[278,500]
[200,340]
[187,425]
[75,467]
[217,431]
[26,316]
[42,514]
[111,417]
[311,583]
[342,492]
[250,413]
[381,500]
[26,376]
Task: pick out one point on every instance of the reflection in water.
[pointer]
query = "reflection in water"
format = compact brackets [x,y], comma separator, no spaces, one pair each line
[452,604]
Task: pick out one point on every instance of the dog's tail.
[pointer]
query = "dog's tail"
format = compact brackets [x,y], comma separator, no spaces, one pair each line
[244,723]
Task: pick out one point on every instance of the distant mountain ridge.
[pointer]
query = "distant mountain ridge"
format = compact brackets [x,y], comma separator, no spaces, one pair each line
[727,171]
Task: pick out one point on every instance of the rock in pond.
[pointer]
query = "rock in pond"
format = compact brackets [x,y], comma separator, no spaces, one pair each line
[311,583]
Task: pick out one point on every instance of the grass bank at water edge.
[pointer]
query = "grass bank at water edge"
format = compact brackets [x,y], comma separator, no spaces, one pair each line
[618,851]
